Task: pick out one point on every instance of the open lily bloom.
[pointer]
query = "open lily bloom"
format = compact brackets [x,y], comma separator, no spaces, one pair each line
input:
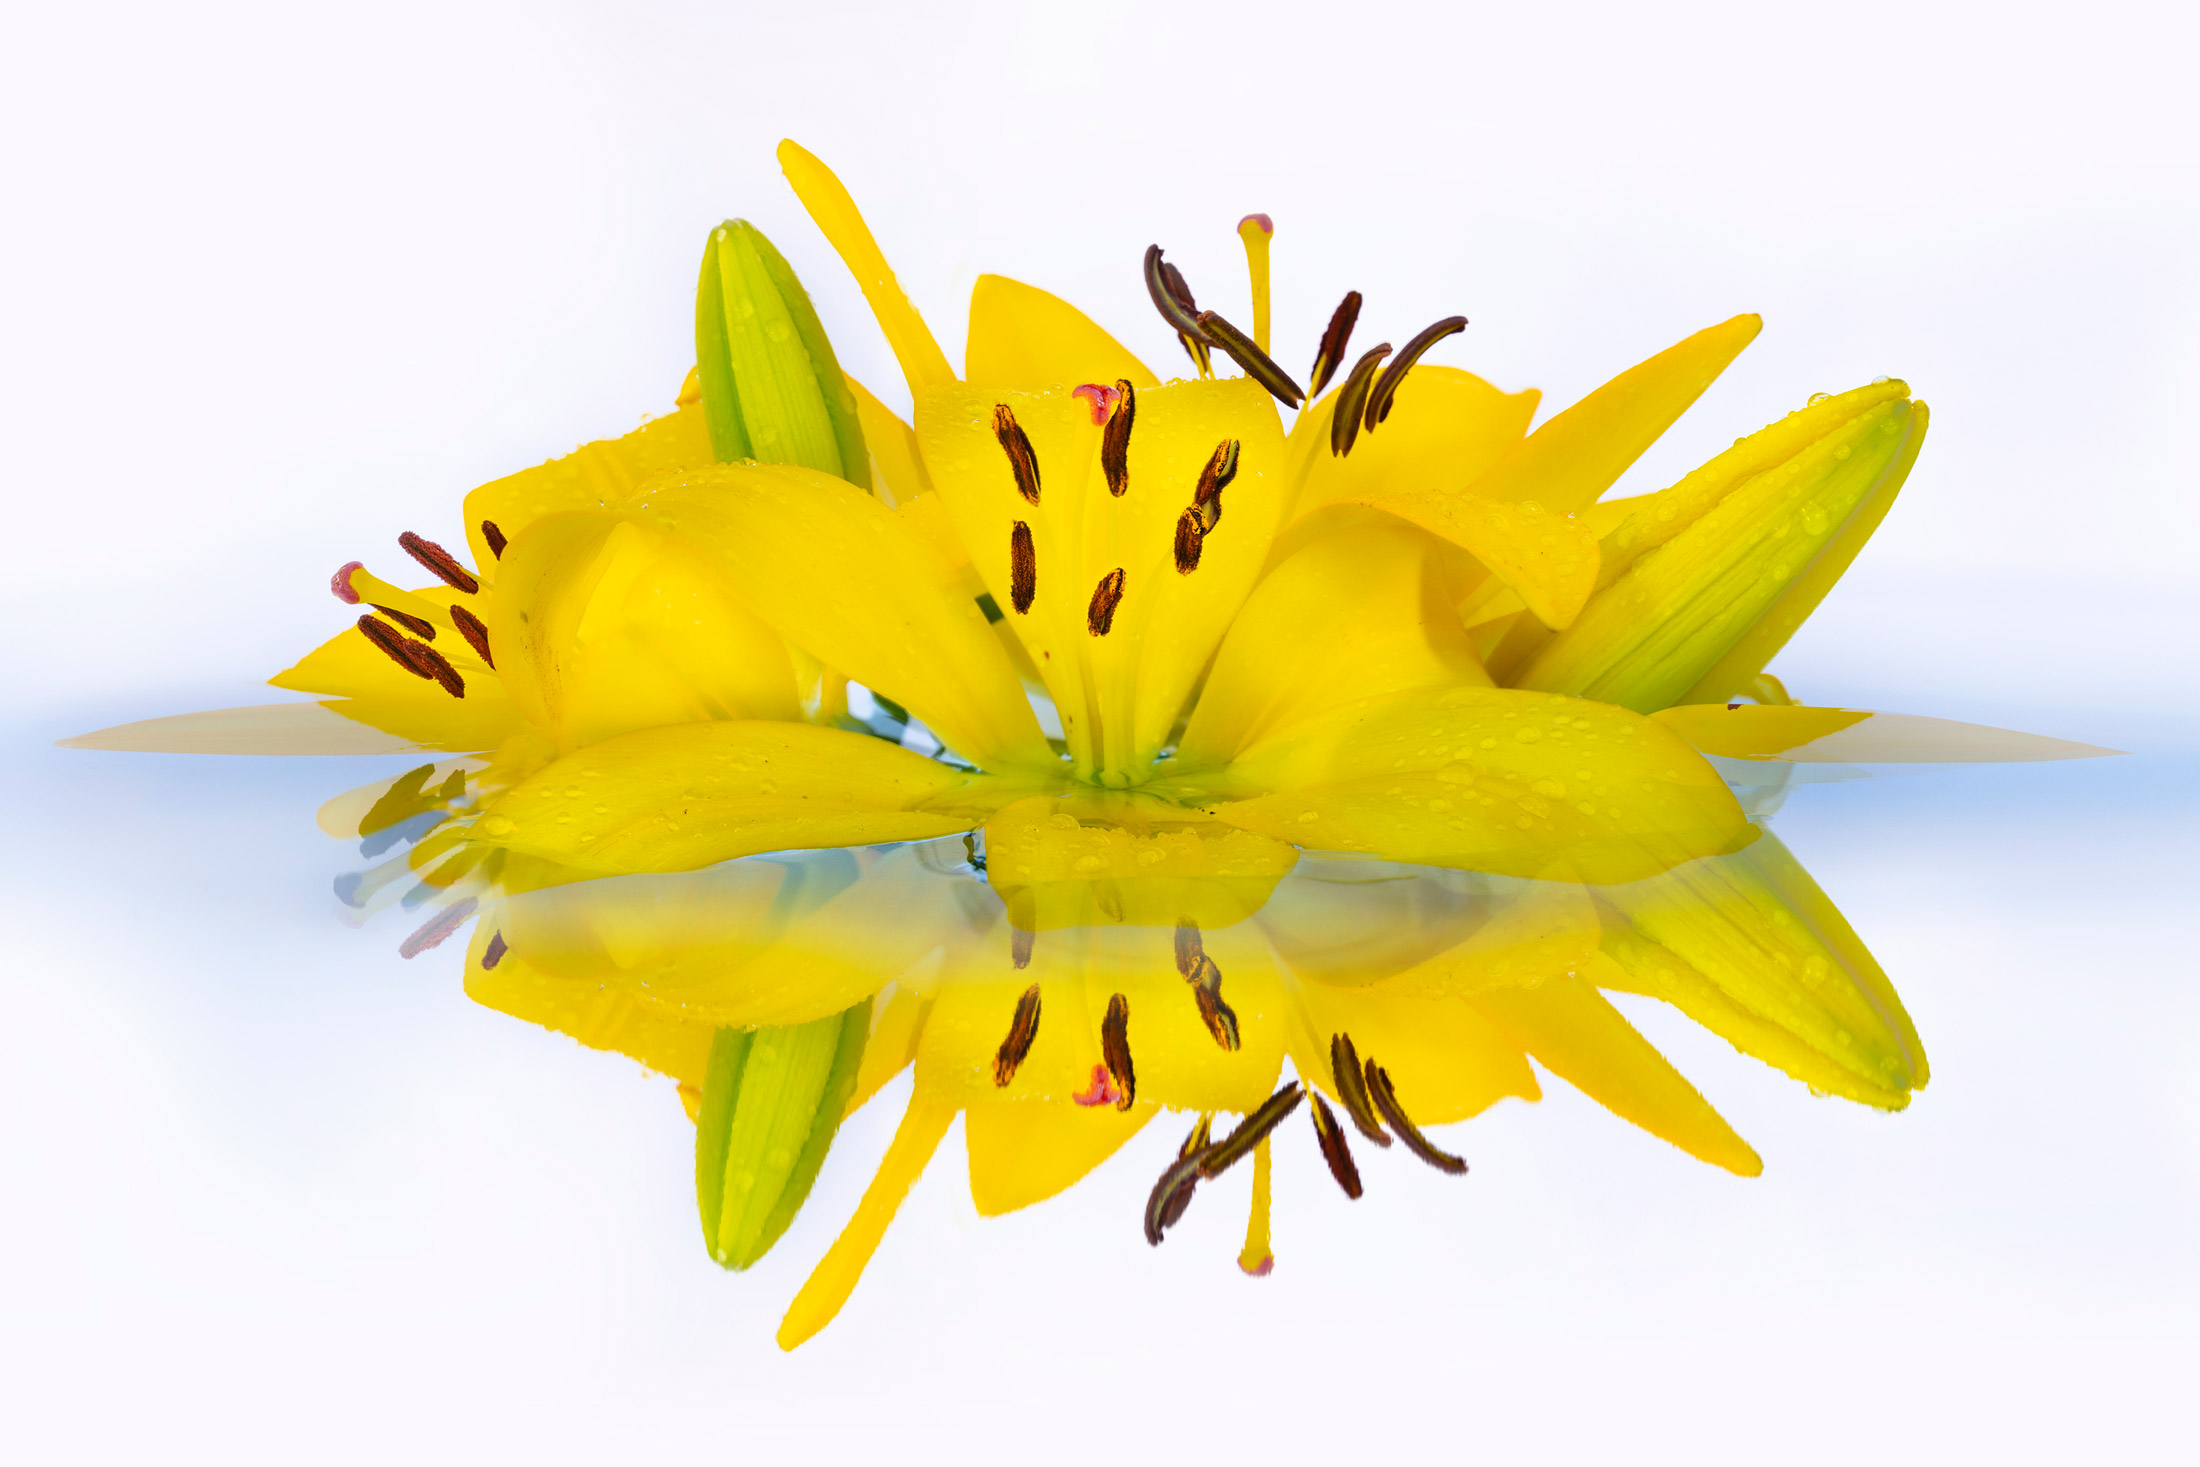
[1099,744]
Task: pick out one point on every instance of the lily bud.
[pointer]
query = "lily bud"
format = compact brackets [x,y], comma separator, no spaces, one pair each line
[772,388]
[1717,571]
[772,1102]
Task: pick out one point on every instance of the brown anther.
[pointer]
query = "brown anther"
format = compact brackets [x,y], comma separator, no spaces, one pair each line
[439,562]
[1330,354]
[425,630]
[1115,439]
[1023,568]
[433,932]
[1172,297]
[1021,461]
[1221,1020]
[1190,950]
[494,538]
[1199,350]
[402,650]
[445,675]
[1216,475]
[1379,400]
[1019,946]
[494,953]
[1344,1068]
[1022,1029]
[1344,425]
[1335,1150]
[1100,614]
[1258,364]
[1386,1102]
[1191,534]
[1251,1131]
[1173,1193]
[1115,1048]
[474,630]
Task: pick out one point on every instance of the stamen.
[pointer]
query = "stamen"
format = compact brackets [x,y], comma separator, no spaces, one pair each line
[1023,569]
[437,928]
[1173,1193]
[402,650]
[1344,427]
[1330,354]
[1258,364]
[1335,1151]
[1386,1101]
[1115,441]
[1205,976]
[1344,1067]
[439,563]
[1378,401]
[340,583]
[494,537]
[474,630]
[1217,475]
[425,630]
[1251,1131]
[1199,1139]
[1115,1048]
[1019,946]
[495,952]
[1100,399]
[1100,615]
[1200,351]
[1190,535]
[1257,230]
[1173,298]
[1257,1259]
[1021,461]
[1022,1029]
[1189,948]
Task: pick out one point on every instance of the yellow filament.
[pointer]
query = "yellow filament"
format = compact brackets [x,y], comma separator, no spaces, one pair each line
[1257,230]
[1256,1257]
[375,591]
[922,361]
[834,1278]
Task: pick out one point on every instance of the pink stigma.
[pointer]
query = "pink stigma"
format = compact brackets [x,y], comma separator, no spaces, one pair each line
[1261,1269]
[1102,399]
[1267,225]
[340,583]
[1103,1091]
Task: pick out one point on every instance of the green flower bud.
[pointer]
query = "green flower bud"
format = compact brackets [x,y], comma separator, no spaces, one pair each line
[772,388]
[772,1102]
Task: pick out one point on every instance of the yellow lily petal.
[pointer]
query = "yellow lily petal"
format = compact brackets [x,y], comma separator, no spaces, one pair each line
[1358,614]
[379,693]
[1645,640]
[1568,463]
[1489,779]
[896,1024]
[592,476]
[605,625]
[1568,1026]
[896,472]
[1092,859]
[923,1126]
[1447,429]
[922,361]
[1023,1152]
[1118,679]
[846,579]
[673,799]
[598,1015]
[1447,1061]
[1758,927]
[1024,337]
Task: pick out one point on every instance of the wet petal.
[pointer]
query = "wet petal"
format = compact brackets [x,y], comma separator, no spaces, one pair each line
[1023,1152]
[1447,428]
[598,1015]
[1096,858]
[1358,614]
[897,474]
[377,692]
[593,476]
[673,799]
[1489,779]
[1024,337]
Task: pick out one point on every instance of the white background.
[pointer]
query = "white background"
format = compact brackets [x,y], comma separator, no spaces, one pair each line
[279,283]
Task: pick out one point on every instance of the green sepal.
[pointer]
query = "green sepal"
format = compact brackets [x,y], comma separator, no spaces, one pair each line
[772,388]
[772,1103]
